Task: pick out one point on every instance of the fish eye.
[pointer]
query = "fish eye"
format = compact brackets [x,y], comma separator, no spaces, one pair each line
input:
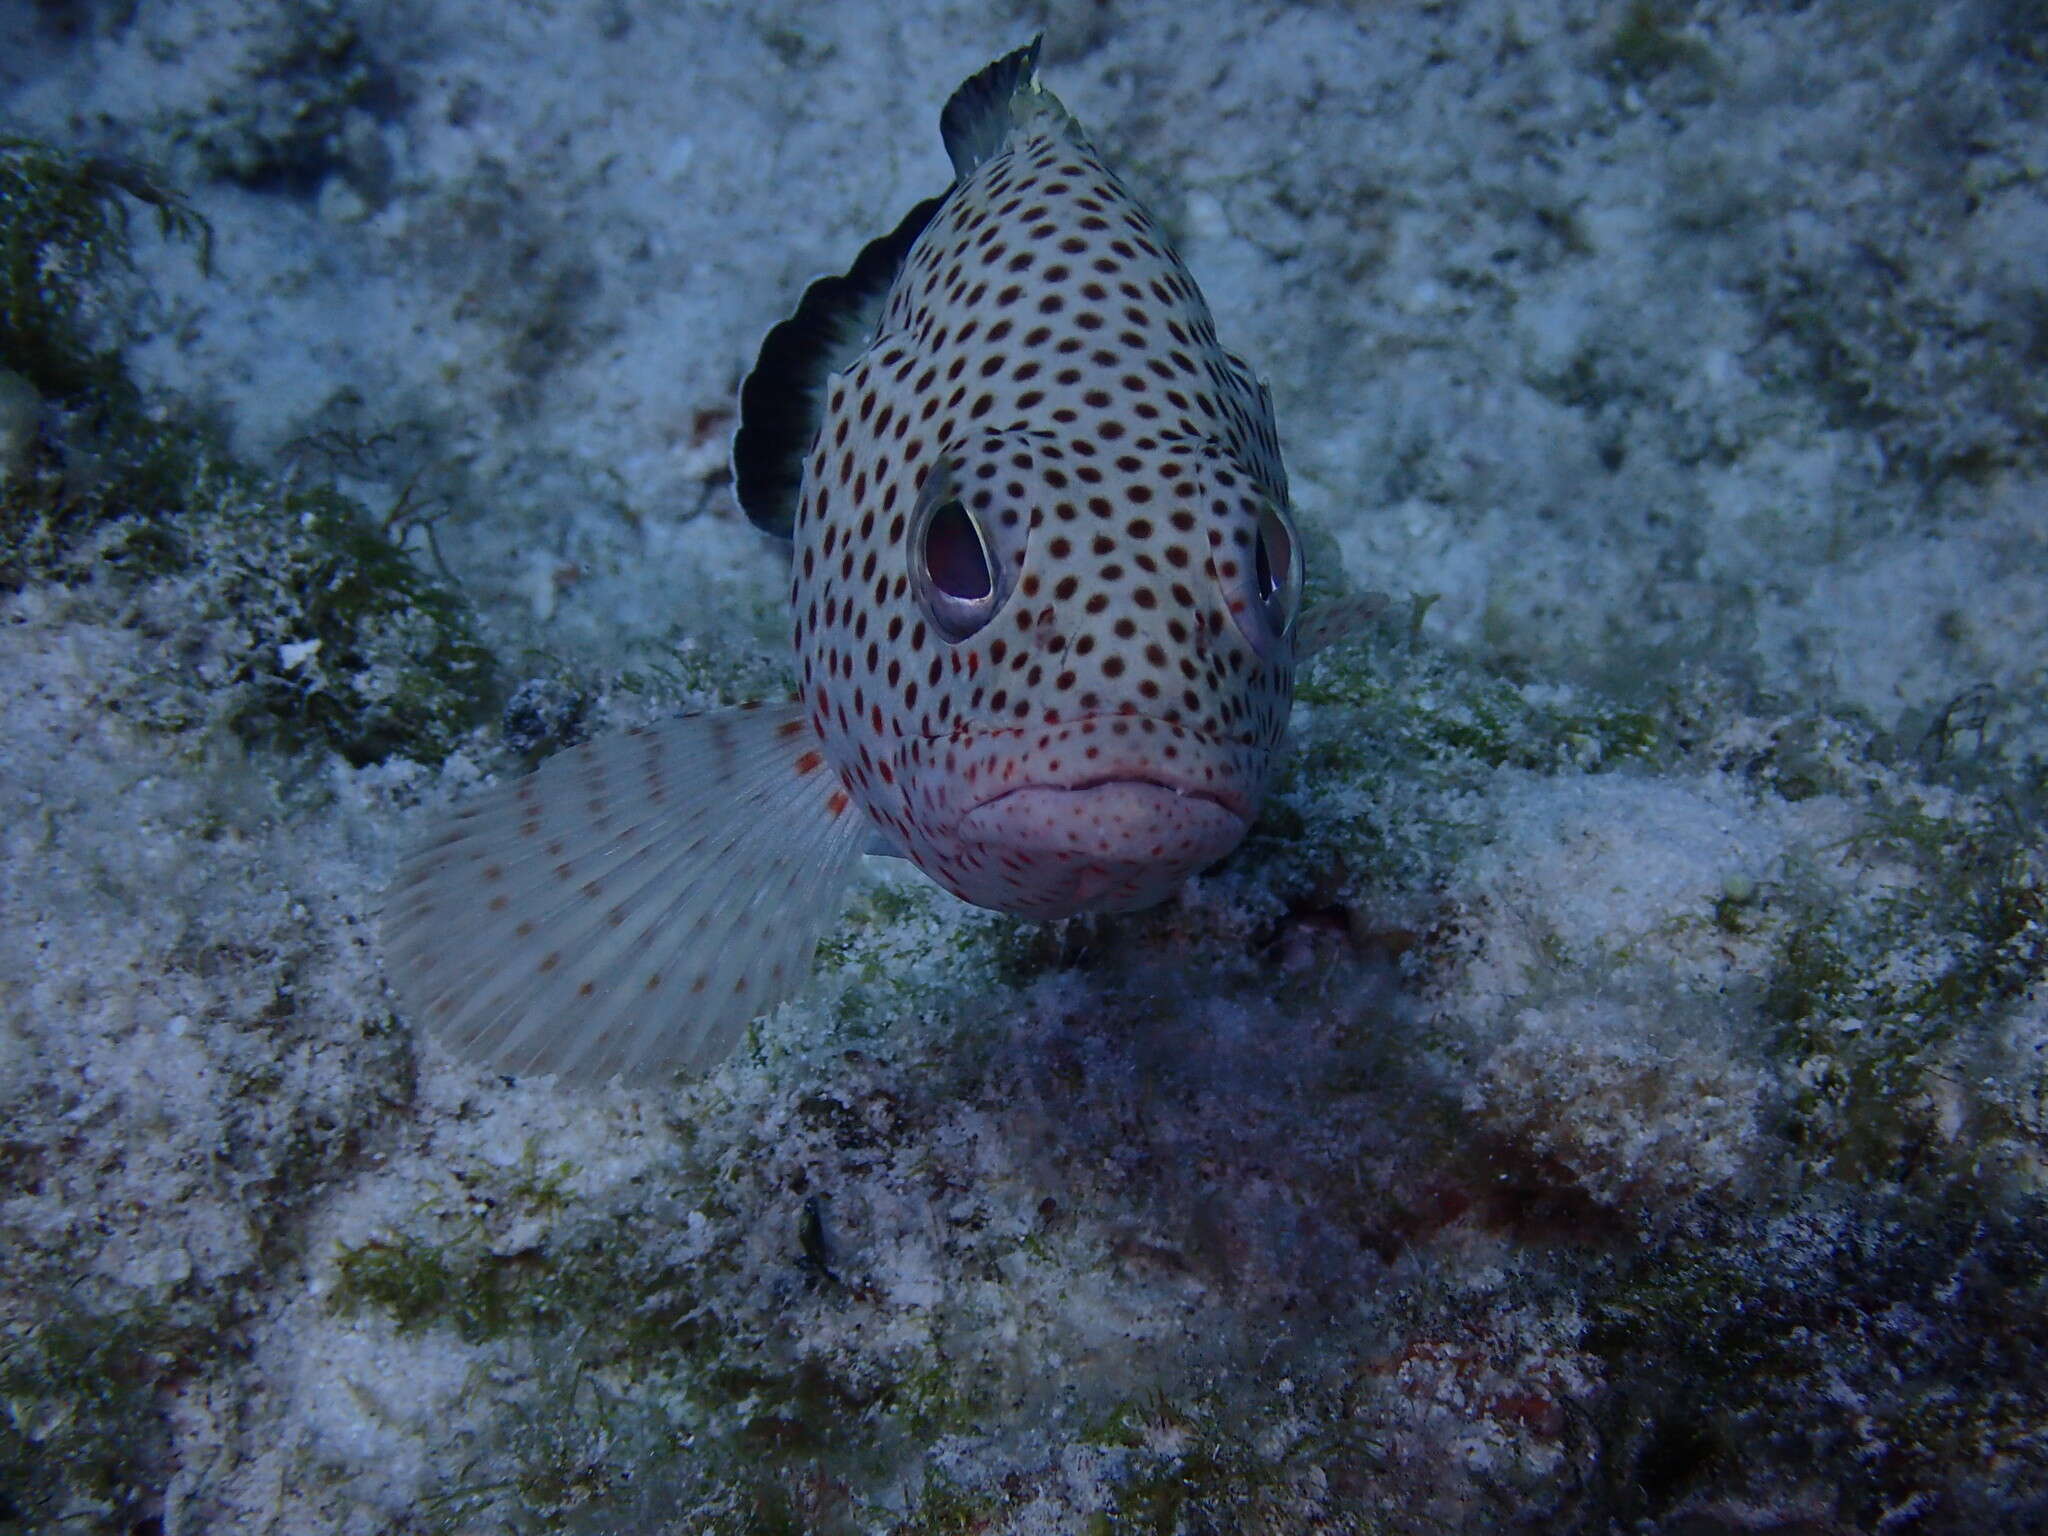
[955,561]
[1276,567]
[953,569]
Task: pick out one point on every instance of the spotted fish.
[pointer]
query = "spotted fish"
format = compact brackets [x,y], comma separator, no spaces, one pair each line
[1045,589]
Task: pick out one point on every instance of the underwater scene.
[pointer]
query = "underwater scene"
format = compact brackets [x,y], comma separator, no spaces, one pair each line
[1068,767]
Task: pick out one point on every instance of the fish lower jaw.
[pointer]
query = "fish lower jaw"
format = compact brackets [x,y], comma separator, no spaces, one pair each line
[1107,845]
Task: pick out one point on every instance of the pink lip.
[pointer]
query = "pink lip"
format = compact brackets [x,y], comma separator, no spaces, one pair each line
[1235,805]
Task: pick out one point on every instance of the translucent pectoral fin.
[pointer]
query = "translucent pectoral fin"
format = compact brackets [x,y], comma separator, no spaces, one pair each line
[629,907]
[1332,622]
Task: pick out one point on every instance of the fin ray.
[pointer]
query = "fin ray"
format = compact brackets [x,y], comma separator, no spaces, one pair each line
[782,401]
[631,905]
[993,102]
[1336,620]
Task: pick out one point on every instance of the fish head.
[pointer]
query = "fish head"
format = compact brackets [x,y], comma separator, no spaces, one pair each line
[1054,668]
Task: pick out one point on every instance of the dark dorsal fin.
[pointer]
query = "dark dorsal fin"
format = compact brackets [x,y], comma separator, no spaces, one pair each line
[782,403]
[980,114]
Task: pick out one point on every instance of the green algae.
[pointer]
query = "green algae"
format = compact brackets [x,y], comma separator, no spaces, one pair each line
[1396,746]
[688,674]
[1413,707]
[1890,1348]
[1211,1461]
[299,111]
[1646,44]
[84,1430]
[1875,1001]
[946,1509]
[64,235]
[722,1395]
[288,617]
[905,949]
[585,1276]
[417,1285]
[286,613]
[1847,329]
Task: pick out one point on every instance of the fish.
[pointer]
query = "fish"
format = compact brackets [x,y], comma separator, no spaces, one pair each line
[1046,588]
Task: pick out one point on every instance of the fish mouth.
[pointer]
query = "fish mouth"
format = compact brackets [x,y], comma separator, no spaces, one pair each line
[1137,753]
[1104,819]
[1231,803]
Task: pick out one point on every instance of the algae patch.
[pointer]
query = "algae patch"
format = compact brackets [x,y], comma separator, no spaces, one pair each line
[282,612]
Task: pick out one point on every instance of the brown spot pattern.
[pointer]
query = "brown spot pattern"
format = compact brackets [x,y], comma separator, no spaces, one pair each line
[1057,360]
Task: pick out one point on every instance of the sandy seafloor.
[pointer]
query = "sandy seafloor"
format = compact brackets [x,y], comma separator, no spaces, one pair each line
[1607,1094]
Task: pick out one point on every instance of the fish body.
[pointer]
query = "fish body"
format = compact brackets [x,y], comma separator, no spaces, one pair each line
[1044,592]
[1046,396]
